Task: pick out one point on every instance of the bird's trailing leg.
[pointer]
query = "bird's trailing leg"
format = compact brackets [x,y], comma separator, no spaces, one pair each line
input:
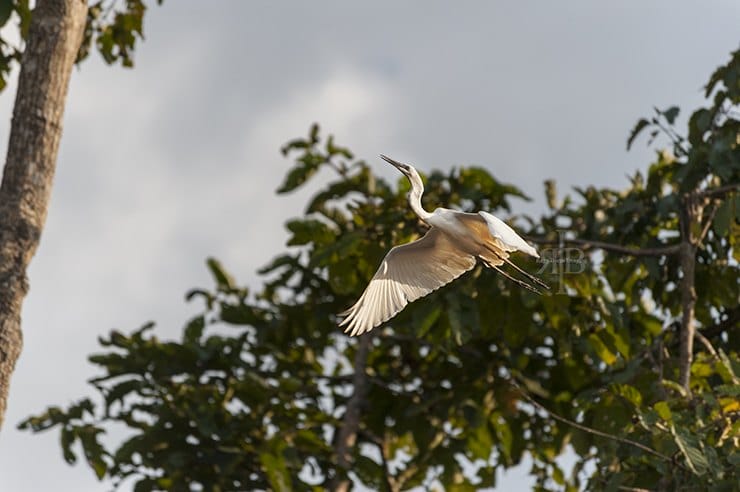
[527,274]
[524,284]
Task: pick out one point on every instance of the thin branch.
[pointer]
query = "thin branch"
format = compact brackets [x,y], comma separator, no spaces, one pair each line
[732,320]
[659,251]
[718,192]
[691,211]
[395,392]
[341,379]
[710,219]
[657,365]
[339,169]
[708,345]
[384,460]
[676,139]
[585,428]
[614,248]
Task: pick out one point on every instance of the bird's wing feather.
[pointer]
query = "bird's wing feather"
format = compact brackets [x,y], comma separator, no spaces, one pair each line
[407,273]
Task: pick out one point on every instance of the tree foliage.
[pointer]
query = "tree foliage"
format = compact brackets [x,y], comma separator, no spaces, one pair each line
[471,378]
[113,27]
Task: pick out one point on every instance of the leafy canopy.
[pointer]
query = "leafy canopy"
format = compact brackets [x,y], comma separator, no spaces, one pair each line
[113,26]
[467,380]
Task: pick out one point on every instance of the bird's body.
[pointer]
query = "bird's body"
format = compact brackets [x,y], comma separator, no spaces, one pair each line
[452,246]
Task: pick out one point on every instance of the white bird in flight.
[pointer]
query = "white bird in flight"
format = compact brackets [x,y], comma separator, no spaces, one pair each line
[452,245]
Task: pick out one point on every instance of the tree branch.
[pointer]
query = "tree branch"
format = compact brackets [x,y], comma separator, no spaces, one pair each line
[379,443]
[691,212]
[585,428]
[708,345]
[688,303]
[614,248]
[717,192]
[732,320]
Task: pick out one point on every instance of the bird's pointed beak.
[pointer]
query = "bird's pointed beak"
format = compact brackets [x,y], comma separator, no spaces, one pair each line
[395,164]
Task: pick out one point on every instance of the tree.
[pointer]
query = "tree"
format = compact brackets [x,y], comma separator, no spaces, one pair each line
[58,33]
[264,392]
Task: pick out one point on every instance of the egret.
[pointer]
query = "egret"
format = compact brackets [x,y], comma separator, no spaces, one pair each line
[453,244]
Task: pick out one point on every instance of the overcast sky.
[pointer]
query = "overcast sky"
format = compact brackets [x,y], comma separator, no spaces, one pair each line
[178,159]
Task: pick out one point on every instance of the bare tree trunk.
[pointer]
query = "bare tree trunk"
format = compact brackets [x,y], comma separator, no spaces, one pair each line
[347,437]
[54,38]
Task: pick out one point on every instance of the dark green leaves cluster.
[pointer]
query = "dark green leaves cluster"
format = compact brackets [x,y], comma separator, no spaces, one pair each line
[467,380]
[113,27]
[214,408]
[10,53]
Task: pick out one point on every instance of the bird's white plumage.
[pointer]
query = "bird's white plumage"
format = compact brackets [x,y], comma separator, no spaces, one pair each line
[501,231]
[451,247]
[407,273]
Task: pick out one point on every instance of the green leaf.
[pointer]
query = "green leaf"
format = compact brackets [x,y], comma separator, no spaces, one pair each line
[670,114]
[725,368]
[689,446]
[6,8]
[274,467]
[118,391]
[67,439]
[601,349]
[639,126]
[194,329]
[630,393]
[313,133]
[309,231]
[728,389]
[93,450]
[223,279]
[664,411]
[296,177]
[480,443]
[504,435]
[557,475]
[551,193]
[369,472]
[723,218]
[281,261]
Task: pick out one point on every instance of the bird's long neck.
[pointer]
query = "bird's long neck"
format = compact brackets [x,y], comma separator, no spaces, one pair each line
[415,201]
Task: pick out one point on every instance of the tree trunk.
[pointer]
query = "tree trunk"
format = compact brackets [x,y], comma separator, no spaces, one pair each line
[347,438]
[54,38]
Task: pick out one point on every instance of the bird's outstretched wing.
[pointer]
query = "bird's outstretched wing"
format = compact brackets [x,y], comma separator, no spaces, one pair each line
[407,273]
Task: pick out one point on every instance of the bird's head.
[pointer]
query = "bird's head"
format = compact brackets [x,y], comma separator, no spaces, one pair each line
[417,186]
